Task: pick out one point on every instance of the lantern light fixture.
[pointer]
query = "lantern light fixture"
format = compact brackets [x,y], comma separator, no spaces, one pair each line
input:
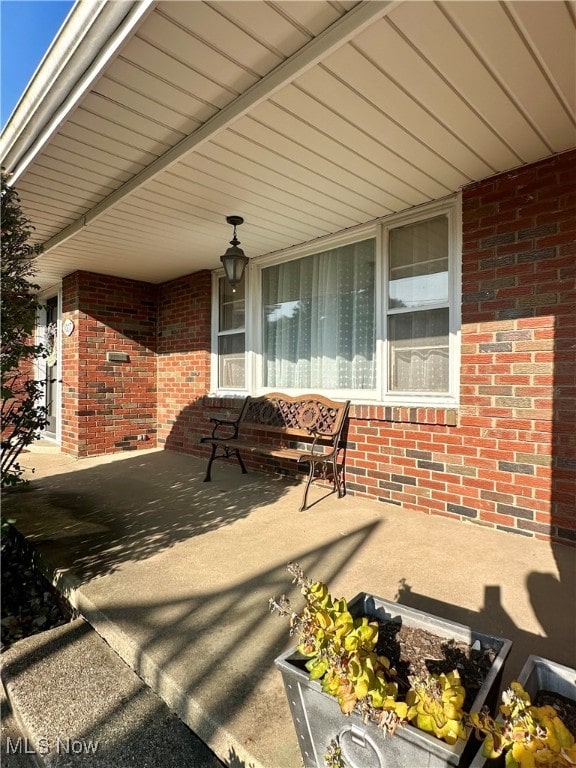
[234,260]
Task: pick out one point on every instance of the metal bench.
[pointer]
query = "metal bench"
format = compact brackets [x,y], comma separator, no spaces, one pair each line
[305,429]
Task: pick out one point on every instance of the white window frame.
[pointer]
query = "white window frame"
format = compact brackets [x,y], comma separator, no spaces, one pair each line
[217,275]
[451,207]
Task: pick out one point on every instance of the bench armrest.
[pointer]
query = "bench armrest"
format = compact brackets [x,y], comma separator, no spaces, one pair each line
[228,426]
[320,450]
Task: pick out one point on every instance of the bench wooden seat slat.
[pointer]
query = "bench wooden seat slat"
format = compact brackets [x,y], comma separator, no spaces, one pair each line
[306,429]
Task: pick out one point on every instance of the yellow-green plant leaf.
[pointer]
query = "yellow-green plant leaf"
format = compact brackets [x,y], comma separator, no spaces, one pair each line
[368,634]
[306,650]
[317,668]
[412,697]
[565,738]
[450,711]
[489,749]
[351,643]
[323,619]
[377,699]
[361,687]
[401,709]
[523,757]
[510,761]
[343,624]
[354,667]
[425,723]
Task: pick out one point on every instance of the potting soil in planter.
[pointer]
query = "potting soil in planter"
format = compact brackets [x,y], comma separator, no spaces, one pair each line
[414,651]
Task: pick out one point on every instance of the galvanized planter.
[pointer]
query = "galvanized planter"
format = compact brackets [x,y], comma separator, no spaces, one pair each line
[318,719]
[537,674]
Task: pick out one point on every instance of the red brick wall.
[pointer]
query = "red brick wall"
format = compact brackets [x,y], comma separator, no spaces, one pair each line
[107,405]
[519,345]
[510,462]
[184,321]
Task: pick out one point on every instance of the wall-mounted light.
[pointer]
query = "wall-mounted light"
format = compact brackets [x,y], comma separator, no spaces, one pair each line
[234,260]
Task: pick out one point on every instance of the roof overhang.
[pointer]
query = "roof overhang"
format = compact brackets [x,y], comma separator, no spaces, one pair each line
[148,122]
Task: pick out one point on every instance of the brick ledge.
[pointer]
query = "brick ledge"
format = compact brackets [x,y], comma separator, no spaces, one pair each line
[405,415]
[396,414]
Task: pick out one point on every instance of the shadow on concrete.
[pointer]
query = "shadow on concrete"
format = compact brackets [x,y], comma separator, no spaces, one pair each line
[210,655]
[553,601]
[192,619]
[95,519]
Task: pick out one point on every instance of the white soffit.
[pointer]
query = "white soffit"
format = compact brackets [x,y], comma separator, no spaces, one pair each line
[304,117]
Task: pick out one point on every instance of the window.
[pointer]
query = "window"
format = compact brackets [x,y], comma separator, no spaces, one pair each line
[373,318]
[418,307]
[318,320]
[231,336]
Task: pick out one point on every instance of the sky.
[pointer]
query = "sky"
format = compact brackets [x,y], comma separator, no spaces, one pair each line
[27,27]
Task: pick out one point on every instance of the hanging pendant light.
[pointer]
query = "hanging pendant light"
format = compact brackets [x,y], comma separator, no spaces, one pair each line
[234,260]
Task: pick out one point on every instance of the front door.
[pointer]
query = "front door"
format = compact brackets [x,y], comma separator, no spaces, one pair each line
[47,335]
[51,382]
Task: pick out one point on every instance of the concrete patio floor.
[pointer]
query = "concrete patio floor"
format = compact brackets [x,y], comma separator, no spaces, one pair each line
[176,574]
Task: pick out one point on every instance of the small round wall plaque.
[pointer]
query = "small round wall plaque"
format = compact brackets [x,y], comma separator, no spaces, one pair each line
[67,327]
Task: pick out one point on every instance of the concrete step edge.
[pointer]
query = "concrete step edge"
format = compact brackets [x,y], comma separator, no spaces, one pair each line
[218,739]
[78,704]
[16,748]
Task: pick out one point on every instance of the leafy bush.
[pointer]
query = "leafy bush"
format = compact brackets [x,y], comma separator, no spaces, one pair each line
[22,415]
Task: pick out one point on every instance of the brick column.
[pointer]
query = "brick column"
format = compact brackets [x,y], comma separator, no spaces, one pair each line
[108,405]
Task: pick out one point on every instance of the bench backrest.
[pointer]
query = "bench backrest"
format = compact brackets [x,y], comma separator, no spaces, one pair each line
[303,415]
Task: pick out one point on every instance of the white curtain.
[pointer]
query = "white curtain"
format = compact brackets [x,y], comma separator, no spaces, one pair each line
[318,320]
[419,353]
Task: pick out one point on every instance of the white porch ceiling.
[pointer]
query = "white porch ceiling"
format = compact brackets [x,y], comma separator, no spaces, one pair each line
[305,118]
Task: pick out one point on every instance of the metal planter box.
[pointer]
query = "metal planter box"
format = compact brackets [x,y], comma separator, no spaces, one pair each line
[537,674]
[318,719]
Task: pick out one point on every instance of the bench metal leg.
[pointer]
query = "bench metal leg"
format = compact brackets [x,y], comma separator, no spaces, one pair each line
[310,476]
[228,453]
[338,480]
[208,477]
[242,467]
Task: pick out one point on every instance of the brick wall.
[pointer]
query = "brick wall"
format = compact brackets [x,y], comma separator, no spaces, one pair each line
[510,461]
[184,338]
[107,405]
[519,345]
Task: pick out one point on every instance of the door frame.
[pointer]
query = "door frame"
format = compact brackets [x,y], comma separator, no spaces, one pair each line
[40,363]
